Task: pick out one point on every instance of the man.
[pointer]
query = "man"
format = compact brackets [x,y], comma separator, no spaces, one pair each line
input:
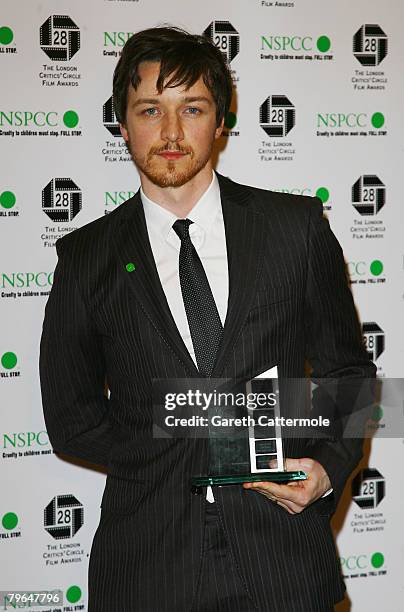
[196,276]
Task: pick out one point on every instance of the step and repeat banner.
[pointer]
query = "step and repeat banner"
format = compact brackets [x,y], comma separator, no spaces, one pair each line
[317,111]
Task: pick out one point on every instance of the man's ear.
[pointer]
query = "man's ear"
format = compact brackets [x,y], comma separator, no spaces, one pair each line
[124,132]
[219,129]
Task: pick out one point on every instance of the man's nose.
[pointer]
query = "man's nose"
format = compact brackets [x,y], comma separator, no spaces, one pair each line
[171,129]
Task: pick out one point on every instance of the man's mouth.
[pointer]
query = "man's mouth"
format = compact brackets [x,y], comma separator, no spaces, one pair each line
[172,155]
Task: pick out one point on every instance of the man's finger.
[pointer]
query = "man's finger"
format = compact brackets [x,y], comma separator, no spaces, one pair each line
[280,491]
[290,507]
[297,495]
[292,465]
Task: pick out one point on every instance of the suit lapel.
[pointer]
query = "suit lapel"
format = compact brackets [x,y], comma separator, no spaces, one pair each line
[132,245]
[244,240]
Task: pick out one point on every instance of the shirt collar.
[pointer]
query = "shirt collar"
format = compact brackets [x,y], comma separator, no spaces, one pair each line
[202,214]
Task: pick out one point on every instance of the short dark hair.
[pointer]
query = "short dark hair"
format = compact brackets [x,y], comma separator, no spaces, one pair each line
[184,58]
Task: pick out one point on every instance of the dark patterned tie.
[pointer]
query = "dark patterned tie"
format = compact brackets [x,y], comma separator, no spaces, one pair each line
[203,318]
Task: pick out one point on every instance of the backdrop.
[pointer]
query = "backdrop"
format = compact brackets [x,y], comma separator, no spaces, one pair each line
[317,111]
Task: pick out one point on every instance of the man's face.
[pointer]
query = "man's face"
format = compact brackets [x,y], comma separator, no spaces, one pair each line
[170,135]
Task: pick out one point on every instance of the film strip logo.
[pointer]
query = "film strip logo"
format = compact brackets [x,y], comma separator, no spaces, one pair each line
[63,516]
[374,339]
[368,195]
[370,45]
[225,37]
[59,38]
[277,116]
[109,118]
[265,443]
[368,488]
[61,199]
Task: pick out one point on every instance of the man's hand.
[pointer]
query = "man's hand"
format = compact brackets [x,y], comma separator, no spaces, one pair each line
[295,496]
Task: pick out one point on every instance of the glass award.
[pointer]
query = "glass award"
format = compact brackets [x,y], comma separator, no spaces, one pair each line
[245,438]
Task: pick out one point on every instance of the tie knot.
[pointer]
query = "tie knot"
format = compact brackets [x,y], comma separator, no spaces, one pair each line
[181,228]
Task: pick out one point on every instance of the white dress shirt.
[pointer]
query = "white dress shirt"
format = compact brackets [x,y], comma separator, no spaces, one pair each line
[208,236]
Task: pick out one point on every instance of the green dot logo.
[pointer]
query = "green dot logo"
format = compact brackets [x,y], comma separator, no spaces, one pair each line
[7,199]
[377,413]
[73,594]
[9,360]
[9,520]
[6,35]
[377,559]
[230,120]
[376,267]
[323,44]
[377,120]
[130,267]
[70,119]
[323,194]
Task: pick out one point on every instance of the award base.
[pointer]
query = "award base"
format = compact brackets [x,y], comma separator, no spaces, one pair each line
[197,482]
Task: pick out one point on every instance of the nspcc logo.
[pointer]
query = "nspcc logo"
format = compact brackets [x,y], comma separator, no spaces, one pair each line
[59,38]
[374,339]
[277,116]
[368,488]
[63,516]
[61,199]
[9,367]
[116,39]
[9,360]
[6,35]
[368,194]
[364,272]
[225,37]
[294,43]
[25,439]
[363,565]
[109,118]
[370,45]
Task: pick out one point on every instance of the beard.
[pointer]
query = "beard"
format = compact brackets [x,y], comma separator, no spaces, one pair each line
[170,173]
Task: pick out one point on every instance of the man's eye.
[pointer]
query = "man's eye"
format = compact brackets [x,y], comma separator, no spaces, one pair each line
[192,110]
[150,112]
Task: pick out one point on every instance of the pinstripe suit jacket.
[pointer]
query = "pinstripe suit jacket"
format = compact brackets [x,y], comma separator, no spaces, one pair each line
[288,302]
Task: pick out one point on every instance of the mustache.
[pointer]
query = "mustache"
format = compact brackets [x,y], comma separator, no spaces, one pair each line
[172,148]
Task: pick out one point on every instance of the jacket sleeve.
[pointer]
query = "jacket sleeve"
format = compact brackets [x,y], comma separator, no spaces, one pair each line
[72,372]
[336,354]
